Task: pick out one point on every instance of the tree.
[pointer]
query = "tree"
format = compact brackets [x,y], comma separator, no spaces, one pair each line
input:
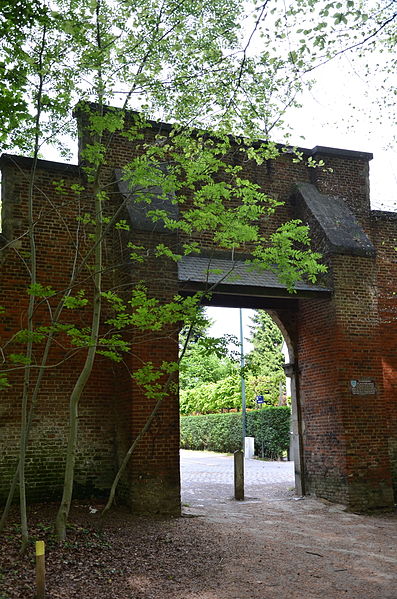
[213,397]
[364,31]
[206,358]
[267,340]
[186,63]
[198,368]
[210,383]
[265,361]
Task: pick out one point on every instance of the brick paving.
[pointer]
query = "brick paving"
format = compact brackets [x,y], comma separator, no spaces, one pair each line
[208,480]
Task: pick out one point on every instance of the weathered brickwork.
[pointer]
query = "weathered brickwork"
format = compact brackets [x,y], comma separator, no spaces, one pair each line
[55,233]
[384,231]
[151,483]
[348,440]
[345,435]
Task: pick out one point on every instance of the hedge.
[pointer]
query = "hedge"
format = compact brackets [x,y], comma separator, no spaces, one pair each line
[222,432]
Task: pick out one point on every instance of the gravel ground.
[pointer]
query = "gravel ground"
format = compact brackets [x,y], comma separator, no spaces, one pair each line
[270,546]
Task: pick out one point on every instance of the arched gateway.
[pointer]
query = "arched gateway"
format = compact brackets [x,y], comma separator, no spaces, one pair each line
[342,334]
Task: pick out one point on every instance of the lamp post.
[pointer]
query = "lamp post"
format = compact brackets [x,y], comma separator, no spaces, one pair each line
[239,455]
[242,364]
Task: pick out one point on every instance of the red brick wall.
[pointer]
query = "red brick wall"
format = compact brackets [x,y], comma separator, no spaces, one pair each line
[347,178]
[151,483]
[56,231]
[345,435]
[384,231]
[349,440]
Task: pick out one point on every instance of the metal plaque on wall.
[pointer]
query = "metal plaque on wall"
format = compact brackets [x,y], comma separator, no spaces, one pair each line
[363,387]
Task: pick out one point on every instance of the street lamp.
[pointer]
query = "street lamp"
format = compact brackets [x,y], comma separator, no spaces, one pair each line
[243,399]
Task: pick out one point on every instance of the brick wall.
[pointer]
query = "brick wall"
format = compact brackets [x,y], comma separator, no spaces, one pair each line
[350,443]
[151,483]
[384,231]
[345,435]
[56,233]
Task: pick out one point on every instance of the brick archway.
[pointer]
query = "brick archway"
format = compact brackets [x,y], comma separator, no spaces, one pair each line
[342,334]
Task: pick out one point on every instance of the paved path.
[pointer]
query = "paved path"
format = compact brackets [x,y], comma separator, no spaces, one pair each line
[208,479]
[279,546]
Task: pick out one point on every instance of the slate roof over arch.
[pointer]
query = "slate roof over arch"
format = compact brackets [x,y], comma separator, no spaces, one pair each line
[238,277]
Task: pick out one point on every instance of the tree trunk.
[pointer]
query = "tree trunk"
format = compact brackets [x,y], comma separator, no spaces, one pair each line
[64,508]
[33,281]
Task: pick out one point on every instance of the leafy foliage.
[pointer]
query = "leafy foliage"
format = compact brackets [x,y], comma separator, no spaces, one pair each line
[265,362]
[205,358]
[270,427]
[211,382]
[213,432]
[362,30]
[212,397]
[225,394]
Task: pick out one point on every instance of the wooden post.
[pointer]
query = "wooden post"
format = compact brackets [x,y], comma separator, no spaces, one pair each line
[40,570]
[239,475]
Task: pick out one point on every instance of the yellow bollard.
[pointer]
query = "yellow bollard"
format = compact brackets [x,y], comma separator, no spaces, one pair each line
[40,570]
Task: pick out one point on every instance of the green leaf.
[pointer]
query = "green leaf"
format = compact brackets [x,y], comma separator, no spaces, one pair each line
[26,336]
[4,384]
[77,301]
[19,359]
[39,290]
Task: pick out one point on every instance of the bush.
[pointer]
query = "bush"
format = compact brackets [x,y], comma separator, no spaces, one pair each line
[213,397]
[215,432]
[271,427]
[223,432]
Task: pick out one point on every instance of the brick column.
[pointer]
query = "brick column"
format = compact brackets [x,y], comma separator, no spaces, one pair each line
[152,482]
[384,226]
[346,453]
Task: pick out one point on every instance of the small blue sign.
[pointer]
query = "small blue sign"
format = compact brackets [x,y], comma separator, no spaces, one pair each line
[260,399]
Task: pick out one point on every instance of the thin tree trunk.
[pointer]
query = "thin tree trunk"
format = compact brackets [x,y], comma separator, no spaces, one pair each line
[33,405]
[32,409]
[33,281]
[81,382]
[64,508]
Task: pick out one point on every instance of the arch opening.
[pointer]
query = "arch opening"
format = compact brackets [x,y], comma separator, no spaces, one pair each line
[285,394]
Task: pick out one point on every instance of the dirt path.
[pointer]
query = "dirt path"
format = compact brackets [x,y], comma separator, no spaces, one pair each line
[305,549]
[289,547]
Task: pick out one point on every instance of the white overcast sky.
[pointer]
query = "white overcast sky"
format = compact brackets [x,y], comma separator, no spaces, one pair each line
[328,119]
[227,322]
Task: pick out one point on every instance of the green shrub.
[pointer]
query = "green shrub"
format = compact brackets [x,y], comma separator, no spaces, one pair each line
[212,397]
[271,427]
[223,432]
[215,432]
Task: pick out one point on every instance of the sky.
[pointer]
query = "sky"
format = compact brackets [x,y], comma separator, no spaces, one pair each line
[327,118]
[227,321]
[341,110]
